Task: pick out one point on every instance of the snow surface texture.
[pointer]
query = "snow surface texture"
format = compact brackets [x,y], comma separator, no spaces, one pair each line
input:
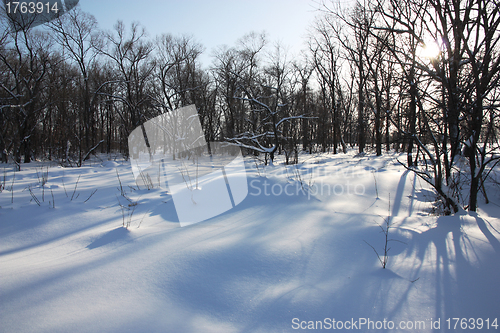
[67,264]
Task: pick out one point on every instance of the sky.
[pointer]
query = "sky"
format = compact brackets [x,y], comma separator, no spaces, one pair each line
[212,23]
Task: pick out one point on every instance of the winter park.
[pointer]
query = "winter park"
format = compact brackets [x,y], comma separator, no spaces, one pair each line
[264,166]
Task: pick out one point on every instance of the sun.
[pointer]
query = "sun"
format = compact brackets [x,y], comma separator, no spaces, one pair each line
[431,50]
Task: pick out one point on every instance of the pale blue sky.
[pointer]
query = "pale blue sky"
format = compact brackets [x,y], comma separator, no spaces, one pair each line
[212,23]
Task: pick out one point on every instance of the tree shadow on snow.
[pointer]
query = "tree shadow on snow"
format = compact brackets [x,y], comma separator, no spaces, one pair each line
[298,268]
[262,191]
[464,275]
[117,235]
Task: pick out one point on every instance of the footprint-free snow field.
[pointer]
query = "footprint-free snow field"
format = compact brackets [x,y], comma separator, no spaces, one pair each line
[86,250]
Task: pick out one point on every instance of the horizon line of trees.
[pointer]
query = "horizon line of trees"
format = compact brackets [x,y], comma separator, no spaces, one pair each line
[367,79]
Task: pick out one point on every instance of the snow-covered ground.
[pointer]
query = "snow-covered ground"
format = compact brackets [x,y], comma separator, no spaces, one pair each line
[296,254]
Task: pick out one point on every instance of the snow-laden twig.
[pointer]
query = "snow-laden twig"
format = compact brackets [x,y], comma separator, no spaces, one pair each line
[91,195]
[33,196]
[74,191]
[385,230]
[91,150]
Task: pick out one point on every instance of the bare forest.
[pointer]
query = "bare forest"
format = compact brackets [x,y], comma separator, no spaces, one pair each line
[420,77]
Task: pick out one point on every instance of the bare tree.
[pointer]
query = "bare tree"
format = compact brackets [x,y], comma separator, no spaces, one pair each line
[479,36]
[269,98]
[176,69]
[77,33]
[25,62]
[304,96]
[354,41]
[462,78]
[134,67]
[325,51]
